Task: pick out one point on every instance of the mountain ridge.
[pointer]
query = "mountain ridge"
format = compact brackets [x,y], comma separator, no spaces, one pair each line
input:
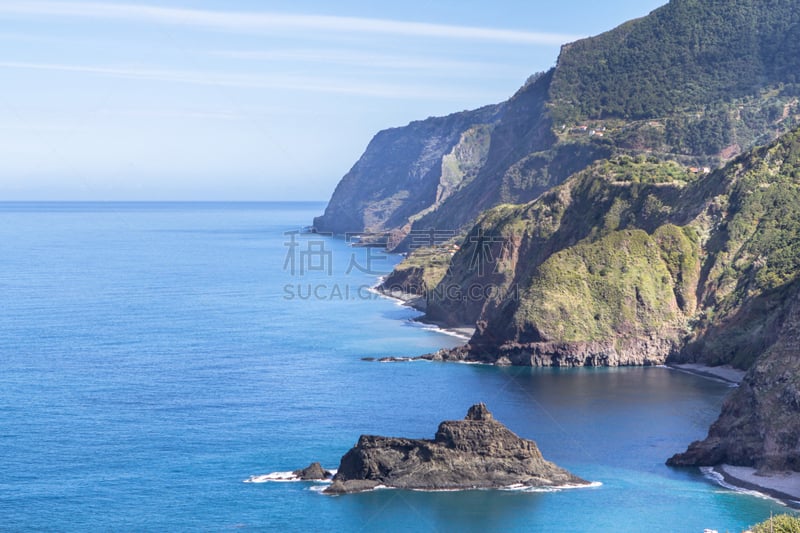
[637,204]
[661,268]
[622,92]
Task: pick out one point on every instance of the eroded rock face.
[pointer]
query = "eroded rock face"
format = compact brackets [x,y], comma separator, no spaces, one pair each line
[760,422]
[404,172]
[477,452]
[611,352]
[313,472]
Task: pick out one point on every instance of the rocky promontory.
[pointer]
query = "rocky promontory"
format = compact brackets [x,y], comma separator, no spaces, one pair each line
[760,422]
[617,211]
[477,452]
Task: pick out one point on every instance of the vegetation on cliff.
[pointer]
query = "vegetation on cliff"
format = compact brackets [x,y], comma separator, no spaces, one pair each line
[632,247]
[681,57]
[514,242]
[421,271]
[618,285]
[753,255]
[782,523]
[695,82]
[613,211]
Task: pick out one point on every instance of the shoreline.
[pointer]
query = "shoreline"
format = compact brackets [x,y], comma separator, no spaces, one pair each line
[725,373]
[418,303]
[784,487]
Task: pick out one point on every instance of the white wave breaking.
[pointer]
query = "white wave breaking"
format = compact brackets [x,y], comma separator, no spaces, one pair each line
[443,331]
[524,488]
[711,474]
[511,488]
[275,477]
[284,477]
[320,489]
[406,303]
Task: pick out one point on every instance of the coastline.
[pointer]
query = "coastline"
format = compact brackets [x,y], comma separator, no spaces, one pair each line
[418,302]
[724,373]
[782,486]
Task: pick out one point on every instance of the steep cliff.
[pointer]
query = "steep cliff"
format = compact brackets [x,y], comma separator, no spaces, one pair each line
[619,215]
[407,171]
[633,261]
[696,82]
[509,245]
[661,266]
[760,422]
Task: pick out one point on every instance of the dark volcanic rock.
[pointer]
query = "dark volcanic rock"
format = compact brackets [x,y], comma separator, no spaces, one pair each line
[312,472]
[611,352]
[760,422]
[477,452]
[353,485]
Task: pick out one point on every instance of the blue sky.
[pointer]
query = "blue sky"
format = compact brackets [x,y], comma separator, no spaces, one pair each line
[246,99]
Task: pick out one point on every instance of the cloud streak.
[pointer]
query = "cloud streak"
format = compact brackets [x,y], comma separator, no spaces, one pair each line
[260,22]
[244,81]
[369,60]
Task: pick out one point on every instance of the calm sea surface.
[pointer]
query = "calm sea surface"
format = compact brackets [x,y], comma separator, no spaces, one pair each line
[155,356]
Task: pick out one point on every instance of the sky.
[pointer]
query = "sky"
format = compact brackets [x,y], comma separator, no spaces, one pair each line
[253,100]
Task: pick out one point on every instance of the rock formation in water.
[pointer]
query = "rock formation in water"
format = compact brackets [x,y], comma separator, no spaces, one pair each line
[477,452]
[313,472]
[636,245]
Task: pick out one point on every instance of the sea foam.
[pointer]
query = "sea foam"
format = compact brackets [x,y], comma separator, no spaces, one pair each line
[284,477]
[524,488]
[719,479]
[511,488]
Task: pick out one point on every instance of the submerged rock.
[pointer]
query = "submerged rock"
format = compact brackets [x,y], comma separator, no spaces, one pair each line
[477,452]
[313,472]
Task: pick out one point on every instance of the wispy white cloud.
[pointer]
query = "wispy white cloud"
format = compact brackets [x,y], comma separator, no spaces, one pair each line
[174,114]
[245,81]
[270,21]
[370,60]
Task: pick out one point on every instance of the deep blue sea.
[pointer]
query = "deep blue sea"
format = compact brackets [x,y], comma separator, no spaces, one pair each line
[155,356]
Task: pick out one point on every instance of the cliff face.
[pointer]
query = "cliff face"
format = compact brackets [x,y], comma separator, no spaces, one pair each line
[661,266]
[406,171]
[632,262]
[477,452]
[611,227]
[697,82]
[654,231]
[760,422]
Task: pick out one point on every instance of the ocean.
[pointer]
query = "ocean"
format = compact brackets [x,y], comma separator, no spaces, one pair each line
[155,356]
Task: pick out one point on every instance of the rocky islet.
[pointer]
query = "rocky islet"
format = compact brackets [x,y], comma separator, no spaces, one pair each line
[477,452]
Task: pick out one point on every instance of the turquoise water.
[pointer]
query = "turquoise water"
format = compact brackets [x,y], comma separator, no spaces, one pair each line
[154,356]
